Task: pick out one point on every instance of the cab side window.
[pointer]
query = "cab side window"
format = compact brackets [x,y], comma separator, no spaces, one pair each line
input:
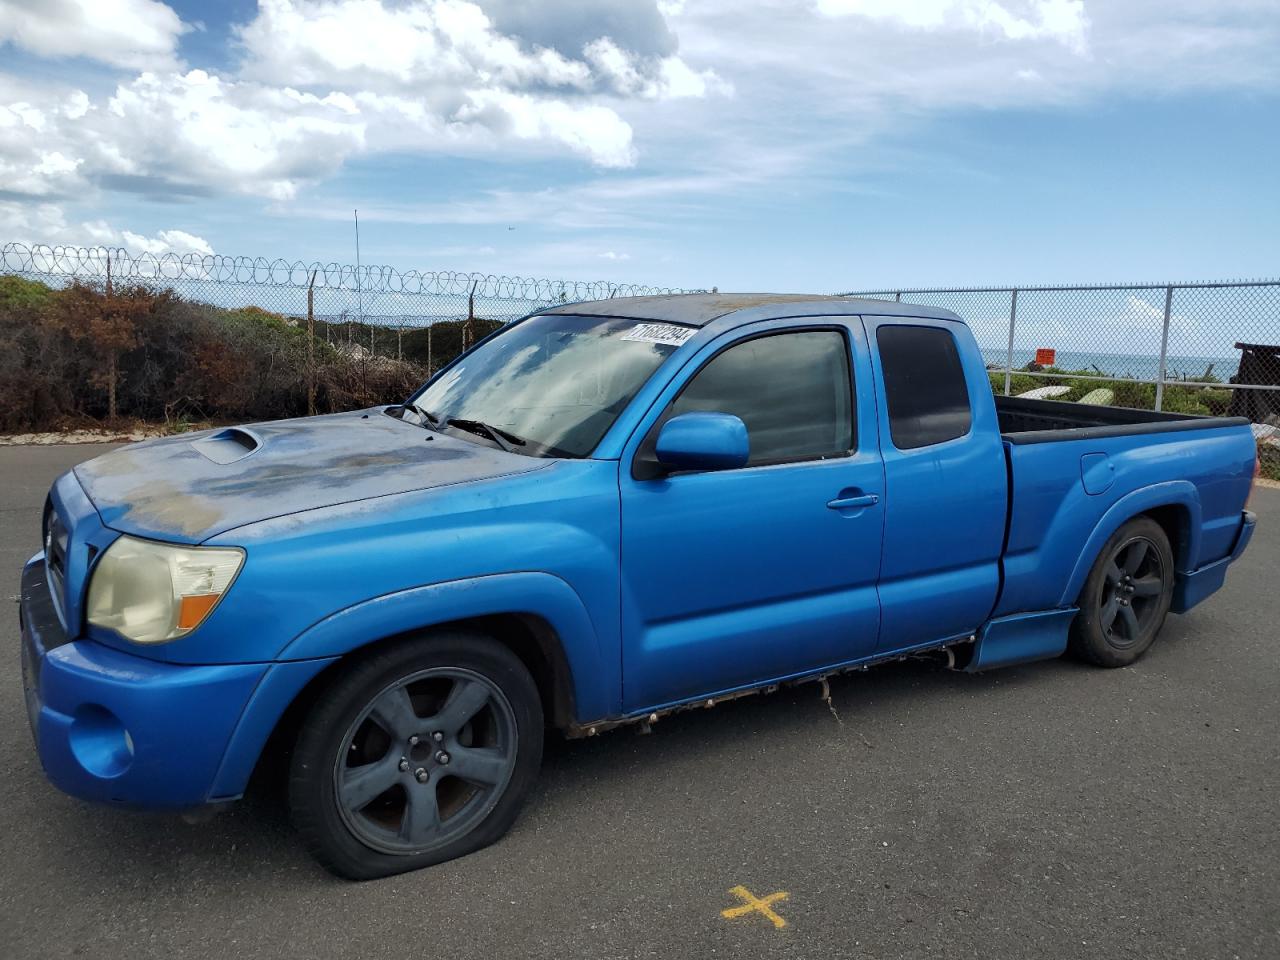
[924,385]
[793,391]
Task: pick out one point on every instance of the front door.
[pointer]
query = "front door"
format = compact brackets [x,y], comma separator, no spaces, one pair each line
[733,578]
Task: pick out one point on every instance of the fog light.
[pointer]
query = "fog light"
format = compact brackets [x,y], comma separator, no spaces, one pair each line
[100,742]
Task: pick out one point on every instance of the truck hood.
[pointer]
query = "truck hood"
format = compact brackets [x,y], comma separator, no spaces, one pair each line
[195,486]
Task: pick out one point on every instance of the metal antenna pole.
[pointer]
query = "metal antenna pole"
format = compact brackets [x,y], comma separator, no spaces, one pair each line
[359,287]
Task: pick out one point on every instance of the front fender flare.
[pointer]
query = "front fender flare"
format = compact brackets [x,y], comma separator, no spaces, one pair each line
[1173,493]
[595,677]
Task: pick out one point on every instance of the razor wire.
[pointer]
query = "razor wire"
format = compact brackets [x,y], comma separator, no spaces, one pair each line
[96,263]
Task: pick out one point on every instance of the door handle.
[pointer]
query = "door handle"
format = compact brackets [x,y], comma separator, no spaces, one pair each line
[852,503]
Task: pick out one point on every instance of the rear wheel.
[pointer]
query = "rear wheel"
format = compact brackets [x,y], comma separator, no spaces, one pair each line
[1126,597]
[419,754]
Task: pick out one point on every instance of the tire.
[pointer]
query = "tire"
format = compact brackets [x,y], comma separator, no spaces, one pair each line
[1126,596]
[419,753]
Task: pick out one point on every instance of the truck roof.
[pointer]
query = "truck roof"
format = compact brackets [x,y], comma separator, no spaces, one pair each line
[699,309]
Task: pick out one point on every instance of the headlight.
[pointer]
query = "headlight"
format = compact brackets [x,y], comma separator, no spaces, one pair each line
[155,592]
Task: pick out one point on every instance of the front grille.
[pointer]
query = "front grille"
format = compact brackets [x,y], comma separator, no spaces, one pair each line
[56,539]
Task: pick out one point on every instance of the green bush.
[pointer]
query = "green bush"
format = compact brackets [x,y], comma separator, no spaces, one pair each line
[72,355]
[1208,401]
[1142,396]
[18,293]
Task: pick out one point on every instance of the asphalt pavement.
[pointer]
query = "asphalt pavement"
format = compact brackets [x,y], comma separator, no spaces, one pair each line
[1053,810]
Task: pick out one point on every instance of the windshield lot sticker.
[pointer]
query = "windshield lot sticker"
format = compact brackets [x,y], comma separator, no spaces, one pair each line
[665,333]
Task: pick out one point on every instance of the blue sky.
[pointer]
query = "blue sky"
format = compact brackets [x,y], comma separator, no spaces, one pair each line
[784,144]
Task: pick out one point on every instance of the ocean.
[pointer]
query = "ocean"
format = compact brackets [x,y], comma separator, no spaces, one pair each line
[1139,367]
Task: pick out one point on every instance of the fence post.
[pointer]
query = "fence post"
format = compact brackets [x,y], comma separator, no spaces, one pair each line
[1008,357]
[1164,345]
[311,346]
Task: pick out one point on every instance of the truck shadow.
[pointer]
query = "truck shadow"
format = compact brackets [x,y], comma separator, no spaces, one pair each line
[860,702]
[582,780]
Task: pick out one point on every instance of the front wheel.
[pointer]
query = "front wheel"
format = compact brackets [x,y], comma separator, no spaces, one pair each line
[1126,597]
[418,754]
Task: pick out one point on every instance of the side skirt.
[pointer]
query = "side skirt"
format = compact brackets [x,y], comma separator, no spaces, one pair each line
[1021,638]
[950,649]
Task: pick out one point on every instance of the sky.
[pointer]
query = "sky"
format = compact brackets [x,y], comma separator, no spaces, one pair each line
[806,145]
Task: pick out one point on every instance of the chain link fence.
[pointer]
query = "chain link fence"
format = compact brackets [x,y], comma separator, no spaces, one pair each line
[91,334]
[365,310]
[1191,347]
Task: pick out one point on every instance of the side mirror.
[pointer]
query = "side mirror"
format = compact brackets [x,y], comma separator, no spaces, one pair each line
[703,441]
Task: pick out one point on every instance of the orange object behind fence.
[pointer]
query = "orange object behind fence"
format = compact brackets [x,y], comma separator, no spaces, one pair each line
[1046,356]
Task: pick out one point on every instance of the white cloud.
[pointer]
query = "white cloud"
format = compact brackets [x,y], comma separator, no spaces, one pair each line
[198,133]
[442,44]
[668,78]
[836,64]
[443,66]
[441,50]
[201,133]
[1061,20]
[490,119]
[612,255]
[35,223]
[46,223]
[593,130]
[639,88]
[184,134]
[321,81]
[34,157]
[137,34]
[167,241]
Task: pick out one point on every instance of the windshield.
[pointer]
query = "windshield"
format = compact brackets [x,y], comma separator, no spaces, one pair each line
[553,381]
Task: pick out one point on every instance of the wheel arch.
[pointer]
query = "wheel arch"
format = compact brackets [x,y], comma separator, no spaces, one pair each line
[553,638]
[530,638]
[1175,506]
[1175,520]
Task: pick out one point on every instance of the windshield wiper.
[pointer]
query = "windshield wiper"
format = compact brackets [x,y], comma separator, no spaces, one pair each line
[426,415]
[506,440]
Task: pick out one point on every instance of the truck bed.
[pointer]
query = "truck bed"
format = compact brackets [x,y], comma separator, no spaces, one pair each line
[1071,466]
[1043,421]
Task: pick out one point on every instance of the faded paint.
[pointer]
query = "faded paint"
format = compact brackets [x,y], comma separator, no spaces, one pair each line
[170,490]
[699,309]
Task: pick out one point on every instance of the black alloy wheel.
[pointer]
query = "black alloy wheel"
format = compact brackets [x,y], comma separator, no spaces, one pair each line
[1126,596]
[426,760]
[419,753]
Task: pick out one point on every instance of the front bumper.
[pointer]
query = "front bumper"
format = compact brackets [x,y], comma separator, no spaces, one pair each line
[117,728]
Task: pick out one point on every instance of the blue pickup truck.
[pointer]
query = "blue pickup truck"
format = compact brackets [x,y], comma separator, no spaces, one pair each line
[600,514]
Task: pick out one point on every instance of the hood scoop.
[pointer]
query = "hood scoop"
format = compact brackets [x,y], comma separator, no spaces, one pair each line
[228,446]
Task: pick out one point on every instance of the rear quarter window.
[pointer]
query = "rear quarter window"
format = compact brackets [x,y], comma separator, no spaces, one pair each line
[924,385]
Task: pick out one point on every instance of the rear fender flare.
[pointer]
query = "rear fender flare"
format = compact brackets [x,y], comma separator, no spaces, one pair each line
[1179,493]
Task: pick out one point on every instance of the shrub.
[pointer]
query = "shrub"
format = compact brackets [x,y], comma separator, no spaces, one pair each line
[75,354]
[1177,398]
